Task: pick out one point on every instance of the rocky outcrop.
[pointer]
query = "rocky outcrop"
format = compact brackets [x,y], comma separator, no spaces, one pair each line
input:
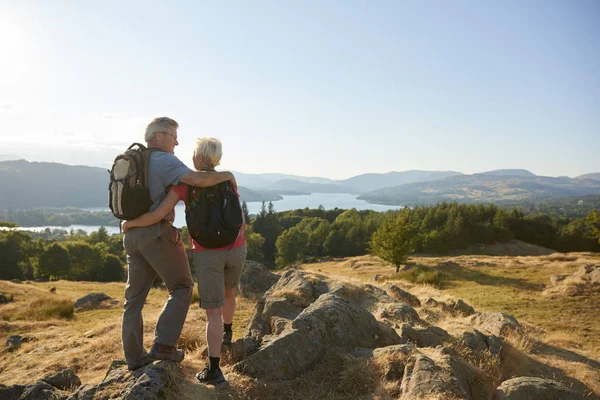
[527,388]
[255,280]
[431,336]
[64,380]
[332,320]
[397,312]
[585,281]
[402,296]
[498,324]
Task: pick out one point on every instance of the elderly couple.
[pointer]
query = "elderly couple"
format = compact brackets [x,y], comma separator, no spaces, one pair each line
[154,247]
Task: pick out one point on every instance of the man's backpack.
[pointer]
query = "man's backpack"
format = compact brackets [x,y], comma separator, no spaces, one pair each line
[128,194]
[213,215]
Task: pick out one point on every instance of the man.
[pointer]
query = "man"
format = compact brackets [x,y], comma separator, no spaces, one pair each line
[158,250]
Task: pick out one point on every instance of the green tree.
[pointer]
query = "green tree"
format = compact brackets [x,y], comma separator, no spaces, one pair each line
[291,246]
[112,269]
[393,241]
[54,261]
[254,244]
[245,211]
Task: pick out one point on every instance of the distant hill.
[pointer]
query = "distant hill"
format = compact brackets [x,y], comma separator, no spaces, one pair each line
[7,157]
[368,182]
[483,188]
[593,176]
[510,172]
[286,185]
[41,184]
[265,181]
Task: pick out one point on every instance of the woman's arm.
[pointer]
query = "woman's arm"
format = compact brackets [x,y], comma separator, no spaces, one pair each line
[152,217]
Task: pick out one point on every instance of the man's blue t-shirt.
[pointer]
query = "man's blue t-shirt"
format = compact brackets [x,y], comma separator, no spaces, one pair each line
[164,169]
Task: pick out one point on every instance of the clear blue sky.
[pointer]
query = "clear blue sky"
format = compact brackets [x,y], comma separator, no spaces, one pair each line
[314,88]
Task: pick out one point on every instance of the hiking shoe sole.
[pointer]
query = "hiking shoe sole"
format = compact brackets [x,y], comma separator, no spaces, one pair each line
[176,356]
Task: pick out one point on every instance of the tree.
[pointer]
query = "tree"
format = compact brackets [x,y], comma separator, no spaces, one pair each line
[393,241]
[54,261]
[291,246]
[112,269]
[593,220]
[245,211]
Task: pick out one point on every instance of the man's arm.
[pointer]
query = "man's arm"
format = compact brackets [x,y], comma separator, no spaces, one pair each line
[207,178]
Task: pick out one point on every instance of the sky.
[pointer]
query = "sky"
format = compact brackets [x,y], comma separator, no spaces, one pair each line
[312,88]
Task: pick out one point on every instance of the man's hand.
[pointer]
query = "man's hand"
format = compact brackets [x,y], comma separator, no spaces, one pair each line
[125,226]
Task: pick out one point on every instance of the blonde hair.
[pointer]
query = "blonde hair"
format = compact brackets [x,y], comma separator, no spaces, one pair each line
[159,124]
[210,149]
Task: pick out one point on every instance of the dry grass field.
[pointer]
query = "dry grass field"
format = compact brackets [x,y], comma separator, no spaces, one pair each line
[563,333]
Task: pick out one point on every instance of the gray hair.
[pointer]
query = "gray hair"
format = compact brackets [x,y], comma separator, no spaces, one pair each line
[159,124]
[210,149]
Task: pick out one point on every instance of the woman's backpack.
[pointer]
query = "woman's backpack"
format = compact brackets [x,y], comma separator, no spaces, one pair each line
[213,215]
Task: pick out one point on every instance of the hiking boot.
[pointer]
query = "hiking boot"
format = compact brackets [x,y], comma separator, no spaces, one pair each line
[211,376]
[164,352]
[227,336]
[139,364]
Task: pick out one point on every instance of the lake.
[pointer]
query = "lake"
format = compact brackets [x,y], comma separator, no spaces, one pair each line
[329,201]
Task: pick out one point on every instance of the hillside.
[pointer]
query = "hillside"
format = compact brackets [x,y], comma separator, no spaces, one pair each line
[482,188]
[593,176]
[369,182]
[41,184]
[341,329]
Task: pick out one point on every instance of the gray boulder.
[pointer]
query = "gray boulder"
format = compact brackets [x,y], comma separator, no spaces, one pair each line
[403,296]
[431,336]
[255,280]
[11,392]
[14,342]
[91,300]
[526,388]
[463,308]
[423,379]
[331,321]
[64,380]
[397,312]
[496,323]
[42,391]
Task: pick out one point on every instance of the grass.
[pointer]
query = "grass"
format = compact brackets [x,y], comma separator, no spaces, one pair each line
[561,337]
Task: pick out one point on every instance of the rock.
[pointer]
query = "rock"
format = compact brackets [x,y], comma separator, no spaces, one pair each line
[53,289]
[404,349]
[331,321]
[294,286]
[146,383]
[403,296]
[463,308]
[557,278]
[377,277]
[478,341]
[268,308]
[83,392]
[12,392]
[423,379]
[5,298]
[496,323]
[64,380]
[16,281]
[255,280]
[595,276]
[584,270]
[526,388]
[90,300]
[431,336]
[42,391]
[14,342]
[429,302]
[397,312]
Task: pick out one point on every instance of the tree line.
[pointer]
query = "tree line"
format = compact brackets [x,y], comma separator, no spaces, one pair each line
[282,238]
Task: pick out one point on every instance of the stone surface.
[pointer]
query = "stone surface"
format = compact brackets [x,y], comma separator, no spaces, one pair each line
[397,312]
[463,308]
[331,321]
[64,380]
[431,336]
[255,280]
[90,300]
[498,324]
[527,388]
[403,296]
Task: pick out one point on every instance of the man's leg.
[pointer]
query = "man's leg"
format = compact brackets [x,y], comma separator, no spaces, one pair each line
[167,256]
[228,311]
[139,281]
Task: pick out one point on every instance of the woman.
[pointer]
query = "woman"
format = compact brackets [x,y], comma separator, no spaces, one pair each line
[217,270]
